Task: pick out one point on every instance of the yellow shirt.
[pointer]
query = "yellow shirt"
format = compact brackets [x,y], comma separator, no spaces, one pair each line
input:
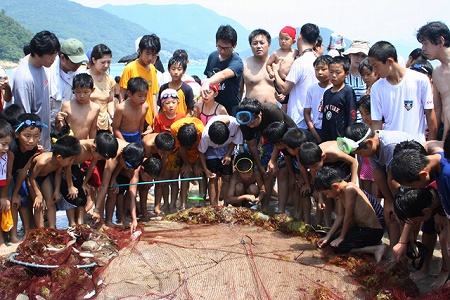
[175,127]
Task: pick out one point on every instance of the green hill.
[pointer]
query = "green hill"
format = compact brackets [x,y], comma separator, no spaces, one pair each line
[14,37]
[90,25]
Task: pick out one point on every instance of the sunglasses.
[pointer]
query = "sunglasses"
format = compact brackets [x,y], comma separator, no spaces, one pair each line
[169,95]
[29,123]
[347,145]
[244,117]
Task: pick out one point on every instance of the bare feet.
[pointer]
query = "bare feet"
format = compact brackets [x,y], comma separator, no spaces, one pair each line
[440,280]
[381,249]
[419,275]
[159,212]
[3,249]
[15,239]
[110,225]
[173,209]
[164,207]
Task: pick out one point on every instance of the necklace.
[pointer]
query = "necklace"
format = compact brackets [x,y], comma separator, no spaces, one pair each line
[306,50]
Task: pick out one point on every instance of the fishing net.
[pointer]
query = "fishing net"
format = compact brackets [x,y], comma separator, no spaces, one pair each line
[56,264]
[237,253]
[202,253]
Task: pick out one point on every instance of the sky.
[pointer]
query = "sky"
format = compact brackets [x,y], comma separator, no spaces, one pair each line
[355,19]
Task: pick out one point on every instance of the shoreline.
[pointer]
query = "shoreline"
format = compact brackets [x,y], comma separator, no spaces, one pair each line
[8,64]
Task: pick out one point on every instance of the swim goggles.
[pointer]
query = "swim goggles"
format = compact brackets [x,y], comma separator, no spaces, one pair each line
[243,159]
[244,117]
[419,68]
[129,165]
[29,123]
[171,95]
[347,145]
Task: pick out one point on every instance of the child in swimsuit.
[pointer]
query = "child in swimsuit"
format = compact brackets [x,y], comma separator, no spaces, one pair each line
[208,107]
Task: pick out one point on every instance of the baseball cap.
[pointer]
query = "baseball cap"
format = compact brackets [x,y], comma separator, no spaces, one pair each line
[74,49]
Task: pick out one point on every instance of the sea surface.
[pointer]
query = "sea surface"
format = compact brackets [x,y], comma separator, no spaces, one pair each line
[116,70]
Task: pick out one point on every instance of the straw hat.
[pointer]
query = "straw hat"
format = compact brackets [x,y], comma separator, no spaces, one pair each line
[357,47]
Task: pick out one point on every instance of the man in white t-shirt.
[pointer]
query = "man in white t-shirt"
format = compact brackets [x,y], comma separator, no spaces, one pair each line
[401,97]
[302,74]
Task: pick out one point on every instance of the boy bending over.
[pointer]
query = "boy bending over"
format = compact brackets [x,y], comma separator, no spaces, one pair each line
[246,183]
[360,226]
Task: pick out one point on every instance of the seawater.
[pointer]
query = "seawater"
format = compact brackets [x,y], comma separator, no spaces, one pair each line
[116,69]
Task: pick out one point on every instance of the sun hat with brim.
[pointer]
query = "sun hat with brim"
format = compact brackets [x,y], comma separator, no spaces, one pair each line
[357,47]
[74,49]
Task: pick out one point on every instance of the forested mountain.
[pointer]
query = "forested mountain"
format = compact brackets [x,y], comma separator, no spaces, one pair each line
[13,38]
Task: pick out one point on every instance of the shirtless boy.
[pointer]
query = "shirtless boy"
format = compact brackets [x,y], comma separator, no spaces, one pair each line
[81,114]
[435,40]
[129,117]
[64,151]
[284,57]
[74,188]
[246,183]
[359,226]
[255,79]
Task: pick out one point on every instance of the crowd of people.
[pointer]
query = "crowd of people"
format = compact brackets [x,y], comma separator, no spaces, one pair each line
[355,133]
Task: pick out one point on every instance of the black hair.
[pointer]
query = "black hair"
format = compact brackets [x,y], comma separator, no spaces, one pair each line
[175,60]
[417,53]
[106,144]
[310,33]
[218,132]
[446,145]
[66,146]
[357,131]
[197,79]
[343,61]
[294,138]
[117,79]
[182,53]
[364,102]
[152,166]
[137,84]
[227,33]
[310,154]
[407,164]
[244,164]
[187,135]
[44,42]
[383,50]
[251,105]
[432,31]
[365,63]
[324,59]
[11,114]
[6,129]
[410,202]
[165,141]
[99,51]
[28,116]
[257,32]
[275,131]
[83,80]
[325,177]
[319,42]
[414,145]
[26,49]
[150,42]
[423,66]
[134,154]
